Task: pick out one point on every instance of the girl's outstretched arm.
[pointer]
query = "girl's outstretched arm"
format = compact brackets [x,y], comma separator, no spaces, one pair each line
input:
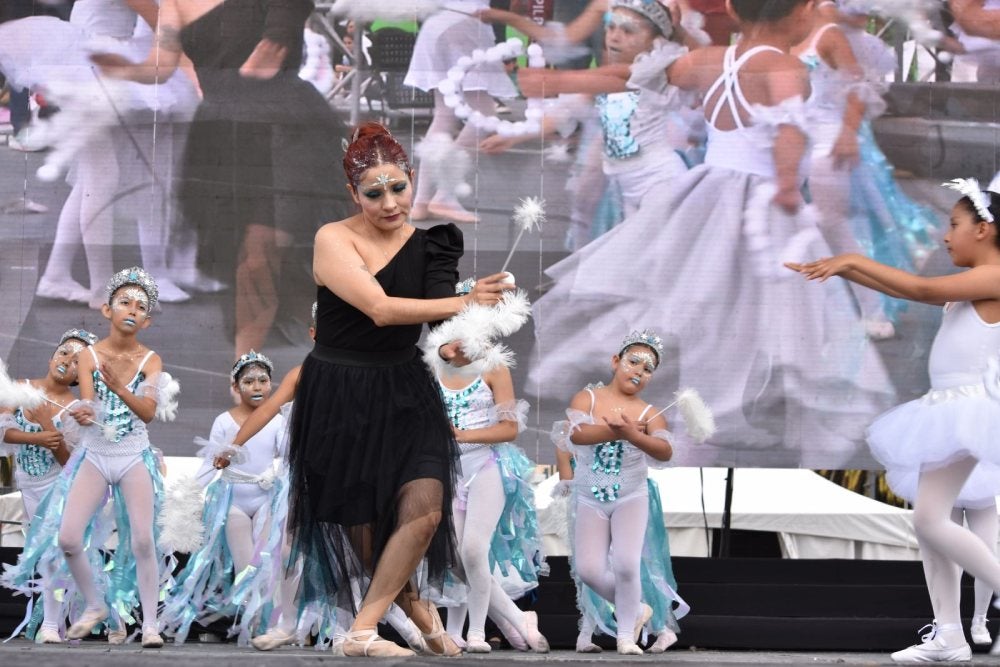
[163,58]
[981,282]
[542,82]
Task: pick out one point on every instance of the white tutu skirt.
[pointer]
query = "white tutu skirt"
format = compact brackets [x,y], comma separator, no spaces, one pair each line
[47,54]
[938,429]
[443,39]
[782,362]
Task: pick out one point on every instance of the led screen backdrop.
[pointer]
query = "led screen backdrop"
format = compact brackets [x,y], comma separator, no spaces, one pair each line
[222,201]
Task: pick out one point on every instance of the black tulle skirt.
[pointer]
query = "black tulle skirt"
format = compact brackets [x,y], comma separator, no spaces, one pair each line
[363,426]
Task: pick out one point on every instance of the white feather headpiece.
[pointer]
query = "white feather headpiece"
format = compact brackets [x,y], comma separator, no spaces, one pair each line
[969,187]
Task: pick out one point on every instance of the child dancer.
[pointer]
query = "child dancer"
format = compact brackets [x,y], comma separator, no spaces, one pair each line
[637,124]
[44,438]
[114,451]
[494,482]
[659,587]
[947,434]
[287,623]
[850,179]
[443,39]
[244,515]
[698,280]
[608,433]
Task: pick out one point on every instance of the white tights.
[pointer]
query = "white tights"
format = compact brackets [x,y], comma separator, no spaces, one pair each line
[984,523]
[87,216]
[446,122]
[622,536]
[242,533]
[474,528]
[84,499]
[947,548]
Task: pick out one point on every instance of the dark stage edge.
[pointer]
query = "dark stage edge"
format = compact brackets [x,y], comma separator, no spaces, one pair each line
[764,604]
[21,652]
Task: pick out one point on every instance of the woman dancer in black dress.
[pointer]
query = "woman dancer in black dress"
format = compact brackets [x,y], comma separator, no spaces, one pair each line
[372,452]
[262,145]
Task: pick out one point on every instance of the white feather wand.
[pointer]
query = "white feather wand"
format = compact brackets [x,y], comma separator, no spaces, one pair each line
[528,215]
[19,394]
[699,422]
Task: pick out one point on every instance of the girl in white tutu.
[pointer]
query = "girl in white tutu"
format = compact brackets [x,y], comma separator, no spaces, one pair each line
[947,438]
[614,434]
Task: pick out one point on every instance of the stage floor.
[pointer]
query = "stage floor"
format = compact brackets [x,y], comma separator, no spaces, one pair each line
[21,652]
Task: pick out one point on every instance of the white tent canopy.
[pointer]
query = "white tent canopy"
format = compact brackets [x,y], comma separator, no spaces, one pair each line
[813,517]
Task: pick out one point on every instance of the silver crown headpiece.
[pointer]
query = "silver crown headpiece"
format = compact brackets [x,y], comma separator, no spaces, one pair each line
[251,357]
[137,276]
[79,334]
[645,337]
[652,10]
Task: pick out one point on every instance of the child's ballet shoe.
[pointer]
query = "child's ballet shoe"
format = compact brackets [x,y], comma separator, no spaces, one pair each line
[272,639]
[367,643]
[68,290]
[151,638]
[664,640]
[48,636]
[536,640]
[645,613]
[512,635]
[628,647]
[86,623]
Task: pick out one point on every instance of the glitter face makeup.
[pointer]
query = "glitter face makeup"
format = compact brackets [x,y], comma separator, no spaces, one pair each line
[70,347]
[125,297]
[251,377]
[622,22]
[254,384]
[382,181]
[637,359]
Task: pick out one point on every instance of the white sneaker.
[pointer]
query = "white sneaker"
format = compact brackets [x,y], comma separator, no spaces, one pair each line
[933,651]
[933,648]
[980,633]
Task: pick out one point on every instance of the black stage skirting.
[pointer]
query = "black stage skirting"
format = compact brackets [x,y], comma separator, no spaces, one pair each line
[742,603]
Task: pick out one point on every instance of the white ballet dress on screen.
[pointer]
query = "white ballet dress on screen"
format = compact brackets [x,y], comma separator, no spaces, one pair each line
[447,36]
[783,363]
